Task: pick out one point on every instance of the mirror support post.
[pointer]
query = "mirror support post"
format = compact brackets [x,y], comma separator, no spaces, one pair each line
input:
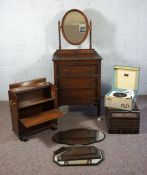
[59,31]
[90,35]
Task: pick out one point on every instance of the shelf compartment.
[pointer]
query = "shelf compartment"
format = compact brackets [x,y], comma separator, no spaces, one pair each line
[41,118]
[36,87]
[32,102]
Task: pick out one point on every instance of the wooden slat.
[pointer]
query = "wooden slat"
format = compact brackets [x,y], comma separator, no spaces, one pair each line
[33,102]
[28,83]
[41,118]
[28,88]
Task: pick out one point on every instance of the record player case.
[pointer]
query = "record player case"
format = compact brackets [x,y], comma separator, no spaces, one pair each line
[124,88]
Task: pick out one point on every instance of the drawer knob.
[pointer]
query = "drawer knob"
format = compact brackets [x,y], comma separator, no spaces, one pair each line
[65,70]
[65,84]
[89,70]
[89,84]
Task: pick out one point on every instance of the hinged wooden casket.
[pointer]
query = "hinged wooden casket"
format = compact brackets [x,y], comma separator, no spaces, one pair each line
[122,121]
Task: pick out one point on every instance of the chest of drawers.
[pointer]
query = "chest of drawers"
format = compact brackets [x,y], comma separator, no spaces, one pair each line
[77,75]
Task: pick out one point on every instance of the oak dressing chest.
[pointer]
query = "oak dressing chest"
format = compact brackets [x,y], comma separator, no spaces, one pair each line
[77,72]
[77,75]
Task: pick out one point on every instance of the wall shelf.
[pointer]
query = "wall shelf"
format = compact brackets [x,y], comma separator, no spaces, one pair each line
[32,102]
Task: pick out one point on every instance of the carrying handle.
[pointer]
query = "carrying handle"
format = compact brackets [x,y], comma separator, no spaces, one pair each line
[12,103]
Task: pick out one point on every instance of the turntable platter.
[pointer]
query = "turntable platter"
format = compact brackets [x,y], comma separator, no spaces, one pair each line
[119,94]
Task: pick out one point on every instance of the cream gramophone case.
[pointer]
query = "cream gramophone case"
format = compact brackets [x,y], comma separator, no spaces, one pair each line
[124,88]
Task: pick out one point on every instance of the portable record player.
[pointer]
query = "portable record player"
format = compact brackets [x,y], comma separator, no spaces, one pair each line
[124,88]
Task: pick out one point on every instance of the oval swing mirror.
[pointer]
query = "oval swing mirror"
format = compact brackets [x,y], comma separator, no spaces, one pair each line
[75,26]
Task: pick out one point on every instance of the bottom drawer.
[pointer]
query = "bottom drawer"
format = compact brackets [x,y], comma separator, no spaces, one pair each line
[77,96]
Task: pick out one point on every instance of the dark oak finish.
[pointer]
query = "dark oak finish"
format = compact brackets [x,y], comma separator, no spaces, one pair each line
[41,118]
[121,121]
[77,75]
[33,106]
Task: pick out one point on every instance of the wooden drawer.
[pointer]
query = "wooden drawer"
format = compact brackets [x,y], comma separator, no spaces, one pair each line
[79,70]
[91,82]
[77,96]
[78,62]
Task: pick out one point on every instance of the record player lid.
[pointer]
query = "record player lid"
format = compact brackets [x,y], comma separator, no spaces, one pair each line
[126,77]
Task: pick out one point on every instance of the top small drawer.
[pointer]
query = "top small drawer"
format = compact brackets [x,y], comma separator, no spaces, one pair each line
[78,70]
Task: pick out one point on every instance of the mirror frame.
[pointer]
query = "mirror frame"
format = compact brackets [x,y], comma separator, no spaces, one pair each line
[93,159]
[87,27]
[72,137]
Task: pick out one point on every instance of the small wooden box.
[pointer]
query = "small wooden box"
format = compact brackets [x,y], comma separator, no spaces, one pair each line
[122,121]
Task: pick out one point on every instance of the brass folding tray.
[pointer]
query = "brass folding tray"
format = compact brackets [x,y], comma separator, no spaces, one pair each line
[78,155]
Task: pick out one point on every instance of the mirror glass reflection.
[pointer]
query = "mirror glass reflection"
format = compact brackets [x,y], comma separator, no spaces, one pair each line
[78,136]
[78,155]
[74,27]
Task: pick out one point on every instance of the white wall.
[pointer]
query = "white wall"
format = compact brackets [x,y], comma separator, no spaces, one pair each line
[29,37]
